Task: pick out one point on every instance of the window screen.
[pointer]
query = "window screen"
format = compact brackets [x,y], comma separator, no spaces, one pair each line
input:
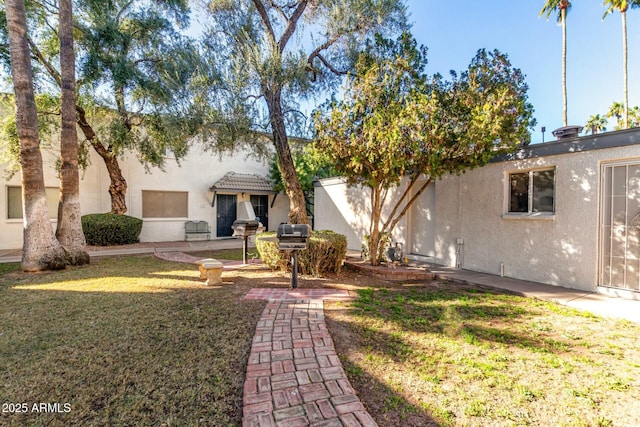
[165,204]
[14,202]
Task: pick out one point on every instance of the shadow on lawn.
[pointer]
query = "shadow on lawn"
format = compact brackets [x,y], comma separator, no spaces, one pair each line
[388,406]
[476,318]
[389,333]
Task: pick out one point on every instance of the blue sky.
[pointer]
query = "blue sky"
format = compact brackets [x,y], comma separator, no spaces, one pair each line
[454,30]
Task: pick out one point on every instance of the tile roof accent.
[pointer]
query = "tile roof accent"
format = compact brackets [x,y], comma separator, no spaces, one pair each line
[243,182]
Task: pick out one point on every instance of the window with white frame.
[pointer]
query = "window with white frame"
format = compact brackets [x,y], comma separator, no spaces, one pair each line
[14,202]
[532,191]
[165,204]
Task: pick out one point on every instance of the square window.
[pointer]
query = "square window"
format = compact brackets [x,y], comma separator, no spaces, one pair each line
[532,191]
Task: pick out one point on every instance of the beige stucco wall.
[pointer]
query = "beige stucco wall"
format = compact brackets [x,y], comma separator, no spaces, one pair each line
[195,174]
[561,249]
[347,210]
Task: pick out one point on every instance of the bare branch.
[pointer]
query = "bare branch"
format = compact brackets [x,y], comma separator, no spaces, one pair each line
[280,9]
[49,113]
[151,60]
[399,202]
[291,25]
[329,66]
[265,19]
[409,203]
[48,7]
[45,63]
[124,8]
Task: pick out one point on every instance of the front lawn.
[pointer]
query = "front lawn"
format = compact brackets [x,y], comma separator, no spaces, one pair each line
[125,341]
[141,341]
[451,355]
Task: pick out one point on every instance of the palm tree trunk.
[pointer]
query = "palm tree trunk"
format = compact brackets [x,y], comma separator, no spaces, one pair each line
[563,13]
[297,203]
[69,231]
[41,250]
[624,69]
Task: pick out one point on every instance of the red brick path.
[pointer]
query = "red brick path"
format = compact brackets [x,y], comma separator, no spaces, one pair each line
[294,376]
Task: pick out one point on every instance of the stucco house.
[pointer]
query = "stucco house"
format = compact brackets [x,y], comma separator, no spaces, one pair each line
[203,187]
[564,213]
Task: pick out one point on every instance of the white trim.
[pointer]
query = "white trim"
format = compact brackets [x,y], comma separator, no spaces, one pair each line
[507,214]
[544,216]
[619,293]
[605,165]
[156,219]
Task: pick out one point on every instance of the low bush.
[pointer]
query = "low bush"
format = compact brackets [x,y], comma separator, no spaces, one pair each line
[325,253]
[107,229]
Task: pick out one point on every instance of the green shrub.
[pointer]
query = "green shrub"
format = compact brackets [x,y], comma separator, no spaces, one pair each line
[325,252]
[107,229]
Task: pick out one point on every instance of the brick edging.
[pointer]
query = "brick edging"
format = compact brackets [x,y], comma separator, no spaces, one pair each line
[391,273]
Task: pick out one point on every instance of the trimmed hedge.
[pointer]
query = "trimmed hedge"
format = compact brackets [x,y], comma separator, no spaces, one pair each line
[325,252]
[107,229]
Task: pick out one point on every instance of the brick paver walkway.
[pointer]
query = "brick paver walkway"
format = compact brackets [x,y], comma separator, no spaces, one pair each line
[294,376]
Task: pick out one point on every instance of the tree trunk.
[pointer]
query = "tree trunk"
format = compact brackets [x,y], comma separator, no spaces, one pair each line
[624,69]
[563,14]
[374,228]
[118,186]
[297,204]
[41,250]
[69,231]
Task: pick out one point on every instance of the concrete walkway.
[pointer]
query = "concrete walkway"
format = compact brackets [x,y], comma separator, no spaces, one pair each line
[15,255]
[596,303]
[294,376]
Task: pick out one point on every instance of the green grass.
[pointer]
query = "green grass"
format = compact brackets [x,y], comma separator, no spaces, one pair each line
[9,267]
[124,341]
[470,357]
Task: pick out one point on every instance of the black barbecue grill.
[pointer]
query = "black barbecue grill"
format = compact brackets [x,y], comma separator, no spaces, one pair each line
[243,228]
[293,237]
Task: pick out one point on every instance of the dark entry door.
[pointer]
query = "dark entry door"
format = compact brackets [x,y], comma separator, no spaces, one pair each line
[260,205]
[226,214]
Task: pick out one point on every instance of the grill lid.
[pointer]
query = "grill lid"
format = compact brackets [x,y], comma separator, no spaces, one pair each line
[293,231]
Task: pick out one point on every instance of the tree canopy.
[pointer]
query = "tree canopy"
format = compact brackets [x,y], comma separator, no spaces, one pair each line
[397,123]
[276,53]
[130,97]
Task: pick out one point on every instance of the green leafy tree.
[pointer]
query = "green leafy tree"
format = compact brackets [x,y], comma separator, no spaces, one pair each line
[310,165]
[278,52]
[596,124]
[561,7]
[634,117]
[130,97]
[617,110]
[41,250]
[396,124]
